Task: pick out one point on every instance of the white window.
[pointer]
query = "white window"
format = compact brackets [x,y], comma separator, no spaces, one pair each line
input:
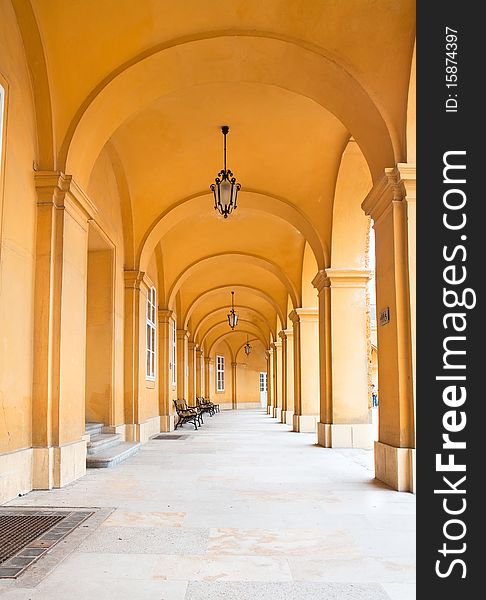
[174,352]
[219,373]
[151,332]
[263,381]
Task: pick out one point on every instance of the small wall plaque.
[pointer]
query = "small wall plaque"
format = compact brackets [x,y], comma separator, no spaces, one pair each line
[385,316]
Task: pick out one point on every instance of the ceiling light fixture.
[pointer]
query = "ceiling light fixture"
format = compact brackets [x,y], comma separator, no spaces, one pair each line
[225,188]
[247,346]
[232,316]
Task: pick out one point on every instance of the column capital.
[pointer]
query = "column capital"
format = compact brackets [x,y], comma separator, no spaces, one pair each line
[208,360]
[304,314]
[349,278]
[294,317]
[182,334]
[278,345]
[282,335]
[288,332]
[199,351]
[165,315]
[321,281]
[59,190]
[271,350]
[396,184]
[133,279]
[234,365]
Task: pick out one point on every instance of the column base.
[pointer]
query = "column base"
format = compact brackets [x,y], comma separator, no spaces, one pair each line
[395,466]
[304,423]
[270,410]
[277,412]
[287,417]
[142,432]
[16,474]
[167,423]
[56,466]
[324,435]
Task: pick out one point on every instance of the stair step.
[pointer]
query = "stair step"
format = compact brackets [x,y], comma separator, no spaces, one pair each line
[101,441]
[109,457]
[93,428]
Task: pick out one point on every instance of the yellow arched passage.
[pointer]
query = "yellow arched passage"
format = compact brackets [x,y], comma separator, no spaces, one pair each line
[216,313]
[248,199]
[206,296]
[269,61]
[235,259]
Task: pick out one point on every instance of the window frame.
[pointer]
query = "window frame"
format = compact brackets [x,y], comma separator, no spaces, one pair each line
[220,375]
[151,335]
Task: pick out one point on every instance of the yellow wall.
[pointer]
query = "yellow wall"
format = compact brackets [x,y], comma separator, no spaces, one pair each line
[17,199]
[225,397]
[99,337]
[248,374]
[104,191]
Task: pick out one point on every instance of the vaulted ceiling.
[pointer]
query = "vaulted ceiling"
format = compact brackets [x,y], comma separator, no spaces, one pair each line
[150,83]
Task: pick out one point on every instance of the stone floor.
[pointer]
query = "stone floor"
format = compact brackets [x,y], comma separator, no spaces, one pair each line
[242,509]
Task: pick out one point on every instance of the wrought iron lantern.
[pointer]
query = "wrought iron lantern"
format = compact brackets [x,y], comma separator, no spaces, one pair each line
[232,316]
[225,188]
[247,346]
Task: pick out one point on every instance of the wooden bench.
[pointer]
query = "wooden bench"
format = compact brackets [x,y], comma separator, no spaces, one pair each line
[186,414]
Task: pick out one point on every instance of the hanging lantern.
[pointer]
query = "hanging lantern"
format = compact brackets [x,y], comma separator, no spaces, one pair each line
[232,316]
[225,188]
[247,346]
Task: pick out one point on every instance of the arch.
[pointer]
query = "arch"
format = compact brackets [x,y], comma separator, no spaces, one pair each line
[412,112]
[235,331]
[125,205]
[225,308]
[274,205]
[243,345]
[36,61]
[219,338]
[263,263]
[350,226]
[160,70]
[253,290]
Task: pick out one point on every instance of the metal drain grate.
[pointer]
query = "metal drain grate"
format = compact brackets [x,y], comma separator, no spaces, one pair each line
[27,534]
[169,437]
[17,531]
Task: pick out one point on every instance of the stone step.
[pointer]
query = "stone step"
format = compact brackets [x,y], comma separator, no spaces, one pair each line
[112,456]
[101,441]
[93,428]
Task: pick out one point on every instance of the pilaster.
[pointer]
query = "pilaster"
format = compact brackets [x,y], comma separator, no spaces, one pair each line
[166,411]
[391,204]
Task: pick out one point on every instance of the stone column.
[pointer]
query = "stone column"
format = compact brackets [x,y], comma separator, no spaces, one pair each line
[351,417]
[59,344]
[270,382]
[199,373]
[208,361]
[323,285]
[277,409]
[288,412]
[275,395]
[391,204]
[234,398]
[182,364]
[283,376]
[268,358]
[306,368]
[166,407]
[191,373]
